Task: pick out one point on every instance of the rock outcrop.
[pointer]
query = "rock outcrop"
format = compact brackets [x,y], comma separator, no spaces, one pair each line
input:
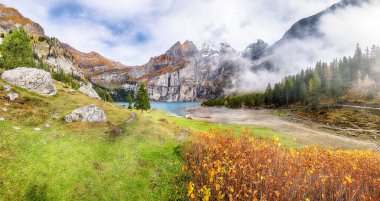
[89,91]
[13,96]
[32,79]
[53,54]
[90,113]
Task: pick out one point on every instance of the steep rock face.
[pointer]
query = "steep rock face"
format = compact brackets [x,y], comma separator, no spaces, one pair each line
[32,79]
[10,18]
[184,73]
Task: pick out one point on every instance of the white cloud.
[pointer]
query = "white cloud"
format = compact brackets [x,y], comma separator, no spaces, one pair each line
[342,30]
[238,22]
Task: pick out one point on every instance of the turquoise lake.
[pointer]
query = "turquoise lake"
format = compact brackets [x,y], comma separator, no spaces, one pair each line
[174,107]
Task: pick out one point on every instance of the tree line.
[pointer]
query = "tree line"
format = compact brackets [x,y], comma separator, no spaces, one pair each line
[312,85]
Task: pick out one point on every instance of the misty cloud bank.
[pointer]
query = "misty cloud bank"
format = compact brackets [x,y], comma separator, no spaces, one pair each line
[341,30]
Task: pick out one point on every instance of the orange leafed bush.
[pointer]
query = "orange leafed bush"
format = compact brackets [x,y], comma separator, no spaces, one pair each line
[223,167]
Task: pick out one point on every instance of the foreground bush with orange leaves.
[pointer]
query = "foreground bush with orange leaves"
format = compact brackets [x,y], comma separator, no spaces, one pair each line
[223,167]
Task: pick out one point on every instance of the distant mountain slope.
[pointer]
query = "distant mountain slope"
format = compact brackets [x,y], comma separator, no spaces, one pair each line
[48,50]
[10,18]
[99,69]
[308,27]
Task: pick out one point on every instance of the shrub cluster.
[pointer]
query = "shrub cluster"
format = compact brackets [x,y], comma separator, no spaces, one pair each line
[223,167]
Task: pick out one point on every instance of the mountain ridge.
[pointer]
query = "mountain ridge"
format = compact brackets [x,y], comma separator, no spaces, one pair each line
[183,73]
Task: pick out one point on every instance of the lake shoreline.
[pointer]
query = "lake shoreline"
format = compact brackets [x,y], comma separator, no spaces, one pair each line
[306,133]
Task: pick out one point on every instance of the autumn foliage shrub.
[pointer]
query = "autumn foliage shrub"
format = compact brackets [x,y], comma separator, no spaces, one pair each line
[223,167]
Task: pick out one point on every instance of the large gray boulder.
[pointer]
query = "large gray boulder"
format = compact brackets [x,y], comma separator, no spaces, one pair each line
[32,79]
[89,113]
[89,91]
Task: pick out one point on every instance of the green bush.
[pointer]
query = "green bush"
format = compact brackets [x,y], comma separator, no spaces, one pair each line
[65,78]
[36,193]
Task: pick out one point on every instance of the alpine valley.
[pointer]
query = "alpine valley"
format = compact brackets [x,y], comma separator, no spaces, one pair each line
[183,73]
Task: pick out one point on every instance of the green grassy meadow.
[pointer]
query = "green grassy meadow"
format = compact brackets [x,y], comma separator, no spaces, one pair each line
[87,161]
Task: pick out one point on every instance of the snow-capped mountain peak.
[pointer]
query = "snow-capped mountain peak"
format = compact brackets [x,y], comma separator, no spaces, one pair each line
[211,49]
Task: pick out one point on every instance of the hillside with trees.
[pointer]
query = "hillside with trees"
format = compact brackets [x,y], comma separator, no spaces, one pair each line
[326,83]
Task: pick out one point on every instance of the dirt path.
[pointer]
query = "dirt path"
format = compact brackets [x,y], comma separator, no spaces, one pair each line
[361,107]
[131,119]
[304,133]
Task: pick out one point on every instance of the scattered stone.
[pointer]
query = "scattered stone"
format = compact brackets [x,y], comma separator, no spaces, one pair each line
[7,104]
[65,85]
[7,88]
[89,113]
[16,128]
[13,96]
[47,125]
[163,120]
[32,79]
[5,109]
[37,129]
[188,116]
[89,91]
[56,117]
[2,119]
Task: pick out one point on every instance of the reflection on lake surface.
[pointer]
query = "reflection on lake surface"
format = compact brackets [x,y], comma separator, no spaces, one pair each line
[174,107]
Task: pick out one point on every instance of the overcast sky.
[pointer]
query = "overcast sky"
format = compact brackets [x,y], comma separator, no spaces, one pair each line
[132,31]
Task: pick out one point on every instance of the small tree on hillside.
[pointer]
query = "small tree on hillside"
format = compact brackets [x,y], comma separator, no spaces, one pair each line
[16,50]
[142,99]
[129,101]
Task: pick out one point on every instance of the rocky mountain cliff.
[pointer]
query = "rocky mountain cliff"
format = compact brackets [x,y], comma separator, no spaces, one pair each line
[182,73]
[185,73]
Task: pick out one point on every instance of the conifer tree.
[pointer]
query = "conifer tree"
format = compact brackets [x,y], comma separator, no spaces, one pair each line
[16,50]
[142,99]
[303,93]
[129,101]
[269,95]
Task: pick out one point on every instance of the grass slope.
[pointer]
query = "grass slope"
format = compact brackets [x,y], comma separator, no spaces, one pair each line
[81,161]
[87,161]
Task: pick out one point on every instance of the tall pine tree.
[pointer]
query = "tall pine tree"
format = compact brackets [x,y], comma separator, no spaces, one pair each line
[142,99]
